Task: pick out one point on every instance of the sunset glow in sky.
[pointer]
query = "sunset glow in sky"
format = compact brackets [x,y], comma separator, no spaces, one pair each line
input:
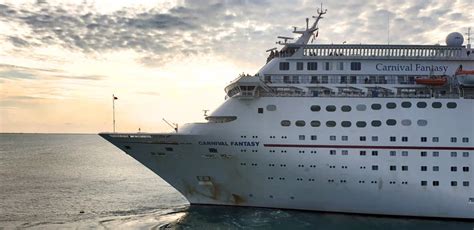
[61,61]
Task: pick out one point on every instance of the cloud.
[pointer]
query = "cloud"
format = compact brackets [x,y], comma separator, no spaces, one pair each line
[15,72]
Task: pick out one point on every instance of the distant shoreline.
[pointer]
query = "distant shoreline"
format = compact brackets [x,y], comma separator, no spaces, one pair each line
[20,133]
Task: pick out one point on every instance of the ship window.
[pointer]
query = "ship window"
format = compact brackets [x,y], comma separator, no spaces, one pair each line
[212,150]
[465,140]
[435,168]
[393,153]
[393,139]
[454,139]
[393,168]
[345,138]
[375,167]
[376,106]
[361,124]
[404,139]
[344,153]
[169,149]
[375,153]
[424,183]
[424,154]
[405,168]
[315,108]
[362,138]
[423,139]
[436,105]
[391,105]
[332,138]
[376,123]
[332,152]
[315,123]
[284,66]
[312,66]
[465,169]
[356,66]
[327,66]
[299,66]
[301,137]
[361,107]
[454,183]
[435,183]
[424,168]
[406,104]
[260,110]
[285,123]
[435,139]
[346,108]
[331,124]
[271,107]
[421,104]
[346,124]
[314,137]
[454,169]
[362,153]
[404,153]
[340,66]
[406,122]
[330,108]
[451,105]
[465,183]
[300,123]
[375,138]
[465,154]
[435,154]
[454,154]
[391,122]
[422,122]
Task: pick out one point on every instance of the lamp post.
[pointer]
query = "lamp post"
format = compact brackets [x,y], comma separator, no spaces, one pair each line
[113,109]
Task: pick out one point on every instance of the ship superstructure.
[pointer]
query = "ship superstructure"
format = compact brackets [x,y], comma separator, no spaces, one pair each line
[372,129]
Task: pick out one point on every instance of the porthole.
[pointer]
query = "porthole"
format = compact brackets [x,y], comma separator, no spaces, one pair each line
[421,104]
[346,108]
[391,105]
[406,122]
[315,123]
[271,107]
[391,122]
[422,122]
[376,123]
[330,108]
[361,107]
[436,105]
[346,124]
[406,104]
[451,105]
[285,123]
[300,123]
[331,124]
[361,124]
[315,108]
[376,106]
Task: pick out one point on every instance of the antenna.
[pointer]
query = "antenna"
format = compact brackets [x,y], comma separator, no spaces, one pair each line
[172,125]
[307,23]
[468,36]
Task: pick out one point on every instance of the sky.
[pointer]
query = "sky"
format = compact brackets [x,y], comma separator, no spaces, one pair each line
[61,61]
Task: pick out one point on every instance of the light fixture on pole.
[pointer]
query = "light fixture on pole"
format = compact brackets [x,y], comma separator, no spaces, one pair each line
[113,109]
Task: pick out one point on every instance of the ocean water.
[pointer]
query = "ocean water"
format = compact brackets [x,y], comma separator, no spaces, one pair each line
[52,181]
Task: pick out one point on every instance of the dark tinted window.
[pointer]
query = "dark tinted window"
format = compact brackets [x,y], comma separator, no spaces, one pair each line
[406,104]
[346,124]
[315,123]
[315,108]
[421,104]
[284,66]
[300,123]
[451,105]
[376,123]
[355,66]
[361,124]
[312,66]
[299,66]
[346,108]
[391,105]
[330,108]
[436,105]
[376,106]
[285,123]
[330,123]
[391,122]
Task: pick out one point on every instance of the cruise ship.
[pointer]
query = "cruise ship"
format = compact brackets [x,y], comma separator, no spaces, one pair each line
[350,128]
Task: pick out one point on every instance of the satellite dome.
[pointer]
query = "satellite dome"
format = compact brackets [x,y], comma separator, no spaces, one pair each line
[454,39]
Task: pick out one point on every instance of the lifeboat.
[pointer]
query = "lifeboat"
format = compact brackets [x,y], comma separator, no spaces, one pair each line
[465,77]
[431,81]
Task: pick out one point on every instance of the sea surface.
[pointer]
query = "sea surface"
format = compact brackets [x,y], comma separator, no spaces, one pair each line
[64,181]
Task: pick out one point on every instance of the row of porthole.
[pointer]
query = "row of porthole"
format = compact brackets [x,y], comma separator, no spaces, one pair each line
[389,105]
[359,124]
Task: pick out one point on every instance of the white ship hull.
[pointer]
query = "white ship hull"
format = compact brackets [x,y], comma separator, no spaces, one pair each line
[254,161]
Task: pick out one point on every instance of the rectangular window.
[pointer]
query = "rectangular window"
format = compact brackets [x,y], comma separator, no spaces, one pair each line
[424,168]
[332,138]
[356,66]
[284,66]
[345,152]
[435,168]
[435,139]
[362,153]
[375,153]
[424,183]
[393,168]
[424,154]
[465,139]
[454,154]
[454,169]
[454,183]
[314,137]
[312,66]
[465,169]
[423,139]
[375,138]
[404,153]
[435,154]
[465,183]
[327,66]
[405,168]
[301,137]
[299,66]
[404,139]
[393,139]
[362,138]
[393,153]
[332,152]
[454,139]
[465,154]
[375,167]
[260,110]
[435,183]
[345,138]
[340,66]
